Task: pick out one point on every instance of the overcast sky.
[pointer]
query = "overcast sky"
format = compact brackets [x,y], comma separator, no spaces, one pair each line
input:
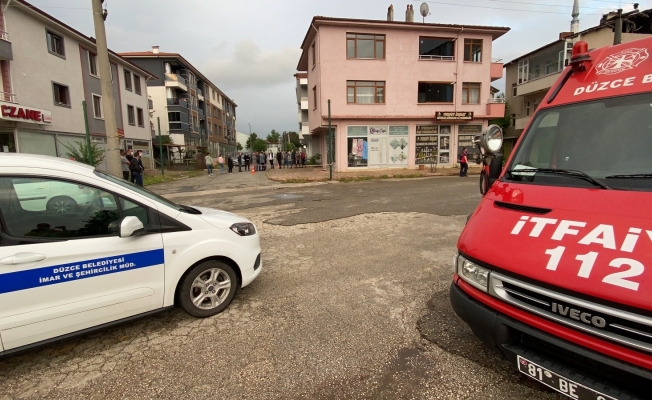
[250,48]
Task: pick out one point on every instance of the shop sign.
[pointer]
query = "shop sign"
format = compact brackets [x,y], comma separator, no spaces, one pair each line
[121,132]
[399,130]
[454,116]
[356,130]
[18,113]
[428,130]
[378,130]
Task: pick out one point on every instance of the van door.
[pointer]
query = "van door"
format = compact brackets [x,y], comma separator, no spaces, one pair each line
[62,272]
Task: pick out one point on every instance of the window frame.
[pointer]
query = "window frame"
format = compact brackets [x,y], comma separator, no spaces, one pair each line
[466,87]
[314,53]
[93,57]
[131,115]
[50,33]
[436,57]
[93,96]
[470,42]
[128,82]
[54,95]
[376,86]
[137,87]
[314,96]
[140,117]
[437,83]
[355,45]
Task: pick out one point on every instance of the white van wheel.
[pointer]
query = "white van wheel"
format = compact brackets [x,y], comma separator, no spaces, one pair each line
[208,289]
[61,205]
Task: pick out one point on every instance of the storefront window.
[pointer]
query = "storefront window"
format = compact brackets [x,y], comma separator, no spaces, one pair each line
[378,145]
[37,143]
[358,152]
[466,133]
[433,144]
[7,143]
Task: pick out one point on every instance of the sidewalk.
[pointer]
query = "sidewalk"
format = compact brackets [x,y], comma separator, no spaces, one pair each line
[318,174]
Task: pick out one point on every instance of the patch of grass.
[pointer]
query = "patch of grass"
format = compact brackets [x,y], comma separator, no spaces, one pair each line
[384,177]
[169,177]
[356,178]
[297,181]
[407,176]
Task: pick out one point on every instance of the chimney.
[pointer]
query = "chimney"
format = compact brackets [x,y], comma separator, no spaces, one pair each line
[390,13]
[564,35]
[155,49]
[409,14]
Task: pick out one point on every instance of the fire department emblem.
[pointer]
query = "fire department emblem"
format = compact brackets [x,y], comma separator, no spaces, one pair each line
[622,61]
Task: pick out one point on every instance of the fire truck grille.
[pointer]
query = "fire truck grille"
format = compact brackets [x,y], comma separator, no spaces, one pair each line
[622,327]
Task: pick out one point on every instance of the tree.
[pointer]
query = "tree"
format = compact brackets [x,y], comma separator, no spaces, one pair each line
[273,137]
[239,147]
[260,145]
[80,153]
[294,139]
[252,136]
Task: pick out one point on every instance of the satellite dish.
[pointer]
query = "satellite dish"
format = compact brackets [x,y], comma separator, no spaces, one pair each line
[425,10]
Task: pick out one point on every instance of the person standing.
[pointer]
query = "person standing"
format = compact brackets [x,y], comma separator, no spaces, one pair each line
[220,160]
[209,164]
[297,159]
[136,172]
[263,161]
[254,161]
[287,159]
[293,156]
[271,159]
[230,163]
[125,165]
[247,160]
[239,161]
[464,163]
[279,159]
[303,159]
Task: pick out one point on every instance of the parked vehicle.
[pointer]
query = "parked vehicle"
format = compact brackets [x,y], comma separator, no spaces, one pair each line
[120,252]
[554,267]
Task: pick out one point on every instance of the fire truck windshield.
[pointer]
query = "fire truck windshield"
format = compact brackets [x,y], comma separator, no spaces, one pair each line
[601,142]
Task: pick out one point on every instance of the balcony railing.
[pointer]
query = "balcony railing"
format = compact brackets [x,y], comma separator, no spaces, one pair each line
[179,126]
[436,58]
[178,102]
[496,100]
[201,112]
[199,92]
[175,77]
[4,35]
[8,97]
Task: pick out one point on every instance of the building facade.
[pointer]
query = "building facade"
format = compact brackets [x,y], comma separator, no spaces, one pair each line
[48,70]
[310,142]
[529,77]
[401,93]
[192,110]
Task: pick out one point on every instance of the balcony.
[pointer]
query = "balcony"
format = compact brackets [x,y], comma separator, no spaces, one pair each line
[200,95]
[436,58]
[178,102]
[8,97]
[305,130]
[541,84]
[521,123]
[6,52]
[201,113]
[495,108]
[176,81]
[496,71]
[304,103]
[179,126]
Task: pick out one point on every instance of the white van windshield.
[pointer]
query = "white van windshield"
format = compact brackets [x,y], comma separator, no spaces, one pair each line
[603,143]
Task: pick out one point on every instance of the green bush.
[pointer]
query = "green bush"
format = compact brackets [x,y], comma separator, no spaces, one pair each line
[80,153]
[314,159]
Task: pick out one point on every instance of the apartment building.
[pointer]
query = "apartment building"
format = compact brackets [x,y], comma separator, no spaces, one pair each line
[192,110]
[402,93]
[529,77]
[48,69]
[309,141]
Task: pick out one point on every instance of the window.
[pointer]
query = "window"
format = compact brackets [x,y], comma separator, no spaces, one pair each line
[365,46]
[513,89]
[141,119]
[130,209]
[527,109]
[470,93]
[65,210]
[536,72]
[137,84]
[473,50]
[523,71]
[551,66]
[314,54]
[513,120]
[128,85]
[61,95]
[55,44]
[314,97]
[131,117]
[174,116]
[365,92]
[436,49]
[97,107]
[433,92]
[92,64]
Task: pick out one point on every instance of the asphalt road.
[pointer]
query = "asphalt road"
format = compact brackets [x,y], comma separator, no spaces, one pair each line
[352,302]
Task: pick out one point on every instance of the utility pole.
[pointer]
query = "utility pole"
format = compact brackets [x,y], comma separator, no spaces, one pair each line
[251,142]
[110,124]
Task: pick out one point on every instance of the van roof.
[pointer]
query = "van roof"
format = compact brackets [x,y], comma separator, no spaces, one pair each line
[43,162]
[613,71]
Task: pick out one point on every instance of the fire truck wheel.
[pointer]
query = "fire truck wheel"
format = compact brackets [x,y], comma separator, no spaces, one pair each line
[484,183]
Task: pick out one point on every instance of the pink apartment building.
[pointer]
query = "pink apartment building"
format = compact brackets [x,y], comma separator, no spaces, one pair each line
[402,93]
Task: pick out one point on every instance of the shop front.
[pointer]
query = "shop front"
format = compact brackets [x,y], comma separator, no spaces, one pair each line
[378,146]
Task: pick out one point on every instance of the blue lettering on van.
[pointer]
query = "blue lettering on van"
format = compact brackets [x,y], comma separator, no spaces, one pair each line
[33,278]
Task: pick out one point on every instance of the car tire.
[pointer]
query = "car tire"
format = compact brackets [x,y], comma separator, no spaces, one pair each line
[208,289]
[61,205]
[484,183]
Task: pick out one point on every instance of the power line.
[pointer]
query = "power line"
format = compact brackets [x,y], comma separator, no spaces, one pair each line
[548,5]
[504,9]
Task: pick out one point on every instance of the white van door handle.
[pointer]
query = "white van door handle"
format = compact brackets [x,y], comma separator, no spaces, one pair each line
[21,258]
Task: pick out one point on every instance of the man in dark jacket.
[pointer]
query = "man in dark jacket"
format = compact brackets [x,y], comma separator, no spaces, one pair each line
[239,162]
[247,161]
[279,158]
[136,171]
[230,163]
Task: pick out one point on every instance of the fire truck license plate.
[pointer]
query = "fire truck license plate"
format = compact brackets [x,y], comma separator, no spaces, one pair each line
[559,383]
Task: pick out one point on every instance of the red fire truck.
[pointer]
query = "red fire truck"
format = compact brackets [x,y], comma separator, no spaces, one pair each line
[554,267]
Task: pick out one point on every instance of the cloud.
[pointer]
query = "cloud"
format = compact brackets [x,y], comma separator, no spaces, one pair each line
[249,66]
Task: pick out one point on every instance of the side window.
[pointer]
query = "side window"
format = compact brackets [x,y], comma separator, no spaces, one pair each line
[49,208]
[134,210]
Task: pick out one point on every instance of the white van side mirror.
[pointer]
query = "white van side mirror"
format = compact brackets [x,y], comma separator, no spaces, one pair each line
[129,226]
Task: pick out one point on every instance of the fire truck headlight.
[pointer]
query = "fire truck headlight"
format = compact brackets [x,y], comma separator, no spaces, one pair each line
[472,273]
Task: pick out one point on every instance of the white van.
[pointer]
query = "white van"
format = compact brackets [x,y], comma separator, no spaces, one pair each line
[109,251]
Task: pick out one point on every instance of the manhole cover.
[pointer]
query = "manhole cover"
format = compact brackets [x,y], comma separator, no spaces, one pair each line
[288,196]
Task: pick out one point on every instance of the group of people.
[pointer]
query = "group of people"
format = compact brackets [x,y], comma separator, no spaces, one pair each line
[257,160]
[132,166]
